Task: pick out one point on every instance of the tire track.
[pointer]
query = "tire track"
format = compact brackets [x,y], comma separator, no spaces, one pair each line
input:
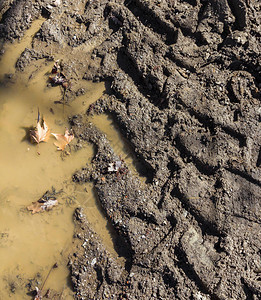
[149,18]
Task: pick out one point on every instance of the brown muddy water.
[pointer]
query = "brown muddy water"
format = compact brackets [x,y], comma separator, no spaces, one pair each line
[31,244]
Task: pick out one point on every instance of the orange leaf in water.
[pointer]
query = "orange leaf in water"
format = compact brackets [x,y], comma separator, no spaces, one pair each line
[40,206]
[41,133]
[63,140]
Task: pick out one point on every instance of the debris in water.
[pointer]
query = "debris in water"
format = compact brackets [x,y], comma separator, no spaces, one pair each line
[40,206]
[56,67]
[47,294]
[38,291]
[41,133]
[63,140]
[45,203]
[59,78]
[38,295]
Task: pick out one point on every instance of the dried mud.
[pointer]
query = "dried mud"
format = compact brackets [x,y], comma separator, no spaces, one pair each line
[183,83]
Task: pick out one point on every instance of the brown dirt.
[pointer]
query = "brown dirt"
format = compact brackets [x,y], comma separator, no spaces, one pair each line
[183,82]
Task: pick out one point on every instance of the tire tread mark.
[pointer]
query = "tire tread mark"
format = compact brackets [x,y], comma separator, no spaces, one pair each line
[238,9]
[201,167]
[211,124]
[206,226]
[150,19]
[153,95]
[188,269]
[244,175]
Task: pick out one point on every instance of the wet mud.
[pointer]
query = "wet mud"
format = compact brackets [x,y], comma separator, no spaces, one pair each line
[183,83]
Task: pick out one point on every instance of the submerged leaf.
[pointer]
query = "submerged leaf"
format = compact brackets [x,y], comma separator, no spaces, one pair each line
[63,140]
[40,206]
[41,133]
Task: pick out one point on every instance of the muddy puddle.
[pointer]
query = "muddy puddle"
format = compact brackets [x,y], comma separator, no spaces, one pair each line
[31,244]
[13,51]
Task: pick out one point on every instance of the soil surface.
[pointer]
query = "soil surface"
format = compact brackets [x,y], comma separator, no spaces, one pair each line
[183,83]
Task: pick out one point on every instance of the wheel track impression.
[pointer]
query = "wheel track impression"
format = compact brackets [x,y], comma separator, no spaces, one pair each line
[191,231]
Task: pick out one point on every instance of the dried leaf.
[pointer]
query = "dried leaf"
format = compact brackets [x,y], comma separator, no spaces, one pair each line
[41,133]
[63,140]
[40,206]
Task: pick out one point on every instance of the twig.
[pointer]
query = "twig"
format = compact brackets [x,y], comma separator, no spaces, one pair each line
[62,293]
[53,267]
[64,91]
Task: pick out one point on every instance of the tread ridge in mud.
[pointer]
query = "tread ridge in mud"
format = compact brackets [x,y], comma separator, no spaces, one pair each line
[137,81]
[148,18]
